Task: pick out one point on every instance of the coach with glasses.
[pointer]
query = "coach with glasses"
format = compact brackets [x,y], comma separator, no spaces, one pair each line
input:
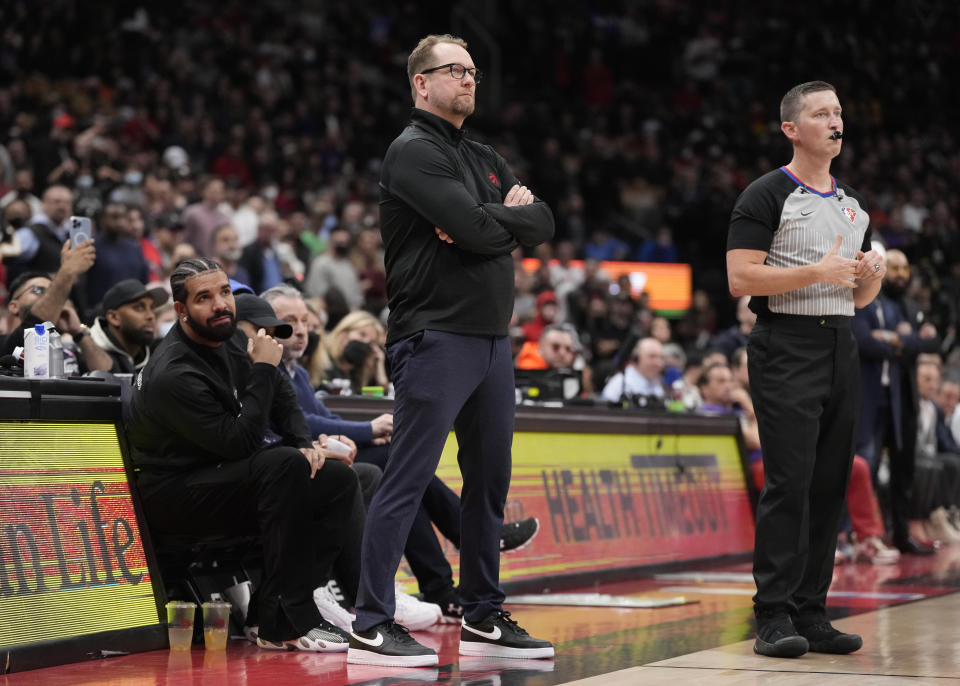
[451,214]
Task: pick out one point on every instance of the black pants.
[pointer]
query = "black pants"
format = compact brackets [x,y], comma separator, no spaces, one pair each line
[423,551]
[308,526]
[443,380]
[804,380]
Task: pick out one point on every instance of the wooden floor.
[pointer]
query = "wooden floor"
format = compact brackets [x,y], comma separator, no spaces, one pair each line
[917,643]
[908,615]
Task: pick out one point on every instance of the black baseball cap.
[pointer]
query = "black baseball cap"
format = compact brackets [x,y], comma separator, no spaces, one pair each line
[128,290]
[257,311]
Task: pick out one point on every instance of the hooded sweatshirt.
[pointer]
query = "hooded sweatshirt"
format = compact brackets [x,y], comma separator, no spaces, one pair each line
[123,362]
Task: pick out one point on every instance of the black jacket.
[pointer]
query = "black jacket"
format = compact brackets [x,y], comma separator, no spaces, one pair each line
[195,406]
[433,176]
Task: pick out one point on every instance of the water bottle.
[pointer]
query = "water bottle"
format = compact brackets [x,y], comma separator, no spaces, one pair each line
[56,352]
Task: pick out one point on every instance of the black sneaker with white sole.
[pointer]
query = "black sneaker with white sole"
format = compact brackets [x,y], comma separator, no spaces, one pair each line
[499,636]
[517,535]
[388,645]
[325,638]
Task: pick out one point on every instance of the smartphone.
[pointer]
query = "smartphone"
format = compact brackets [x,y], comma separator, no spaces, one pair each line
[81,230]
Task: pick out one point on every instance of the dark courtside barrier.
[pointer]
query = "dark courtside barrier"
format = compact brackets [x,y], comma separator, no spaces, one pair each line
[76,579]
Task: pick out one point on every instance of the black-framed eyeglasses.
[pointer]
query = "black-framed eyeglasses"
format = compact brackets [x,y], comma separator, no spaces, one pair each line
[457,71]
[36,290]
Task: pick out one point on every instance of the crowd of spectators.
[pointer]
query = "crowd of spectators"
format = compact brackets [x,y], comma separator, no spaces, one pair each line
[639,123]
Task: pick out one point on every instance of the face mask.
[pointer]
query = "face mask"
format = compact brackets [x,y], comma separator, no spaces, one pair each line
[133,178]
[231,255]
[341,250]
[270,193]
[165,328]
[85,181]
[17,222]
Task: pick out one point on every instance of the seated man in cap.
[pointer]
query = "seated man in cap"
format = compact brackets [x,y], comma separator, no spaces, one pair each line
[126,329]
[223,449]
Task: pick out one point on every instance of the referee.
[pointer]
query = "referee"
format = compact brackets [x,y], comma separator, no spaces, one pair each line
[799,244]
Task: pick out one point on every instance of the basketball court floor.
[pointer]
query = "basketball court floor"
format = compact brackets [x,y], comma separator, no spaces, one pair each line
[699,630]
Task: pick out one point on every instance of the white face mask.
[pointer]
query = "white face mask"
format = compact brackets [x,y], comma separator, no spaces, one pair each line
[165,328]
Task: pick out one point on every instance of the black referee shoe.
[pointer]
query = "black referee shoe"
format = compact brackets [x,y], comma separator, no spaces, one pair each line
[388,645]
[823,638]
[500,636]
[777,637]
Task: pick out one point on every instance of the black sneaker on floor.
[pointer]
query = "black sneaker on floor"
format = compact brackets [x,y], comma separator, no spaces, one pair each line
[517,535]
[823,638]
[500,636]
[388,645]
[777,637]
[449,602]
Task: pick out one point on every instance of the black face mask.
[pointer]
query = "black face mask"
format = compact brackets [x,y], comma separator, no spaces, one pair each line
[341,250]
[356,352]
[313,340]
[893,290]
[17,222]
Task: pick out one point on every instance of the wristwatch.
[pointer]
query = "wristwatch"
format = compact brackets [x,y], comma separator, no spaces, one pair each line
[84,330]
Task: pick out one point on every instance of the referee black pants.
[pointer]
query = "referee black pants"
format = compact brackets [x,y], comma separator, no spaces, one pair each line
[443,380]
[804,380]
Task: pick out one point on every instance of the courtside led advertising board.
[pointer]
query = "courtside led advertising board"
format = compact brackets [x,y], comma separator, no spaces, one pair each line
[619,501]
[72,560]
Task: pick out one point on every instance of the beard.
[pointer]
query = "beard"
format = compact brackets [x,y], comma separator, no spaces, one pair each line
[462,107]
[135,335]
[218,333]
[894,290]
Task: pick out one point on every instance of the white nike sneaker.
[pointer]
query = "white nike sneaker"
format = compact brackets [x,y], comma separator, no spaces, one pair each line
[389,645]
[499,636]
[331,610]
[415,614]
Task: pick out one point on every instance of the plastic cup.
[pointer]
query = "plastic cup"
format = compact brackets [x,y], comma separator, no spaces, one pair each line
[180,624]
[216,625]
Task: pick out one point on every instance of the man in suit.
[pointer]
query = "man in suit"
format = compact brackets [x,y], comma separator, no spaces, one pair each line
[891,332]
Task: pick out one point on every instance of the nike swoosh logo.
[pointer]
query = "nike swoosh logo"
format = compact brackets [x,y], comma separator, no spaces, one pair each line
[492,635]
[373,642]
[804,214]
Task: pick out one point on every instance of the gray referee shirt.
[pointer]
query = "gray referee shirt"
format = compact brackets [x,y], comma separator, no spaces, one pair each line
[797,225]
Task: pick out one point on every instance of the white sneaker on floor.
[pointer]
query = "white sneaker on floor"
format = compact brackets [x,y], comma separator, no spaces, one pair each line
[415,614]
[321,639]
[331,610]
[252,633]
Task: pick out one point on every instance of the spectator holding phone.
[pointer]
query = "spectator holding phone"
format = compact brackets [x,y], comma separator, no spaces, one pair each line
[119,256]
[35,297]
[40,242]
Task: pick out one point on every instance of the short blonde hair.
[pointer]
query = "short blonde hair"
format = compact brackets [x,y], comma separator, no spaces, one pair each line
[421,56]
[337,340]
